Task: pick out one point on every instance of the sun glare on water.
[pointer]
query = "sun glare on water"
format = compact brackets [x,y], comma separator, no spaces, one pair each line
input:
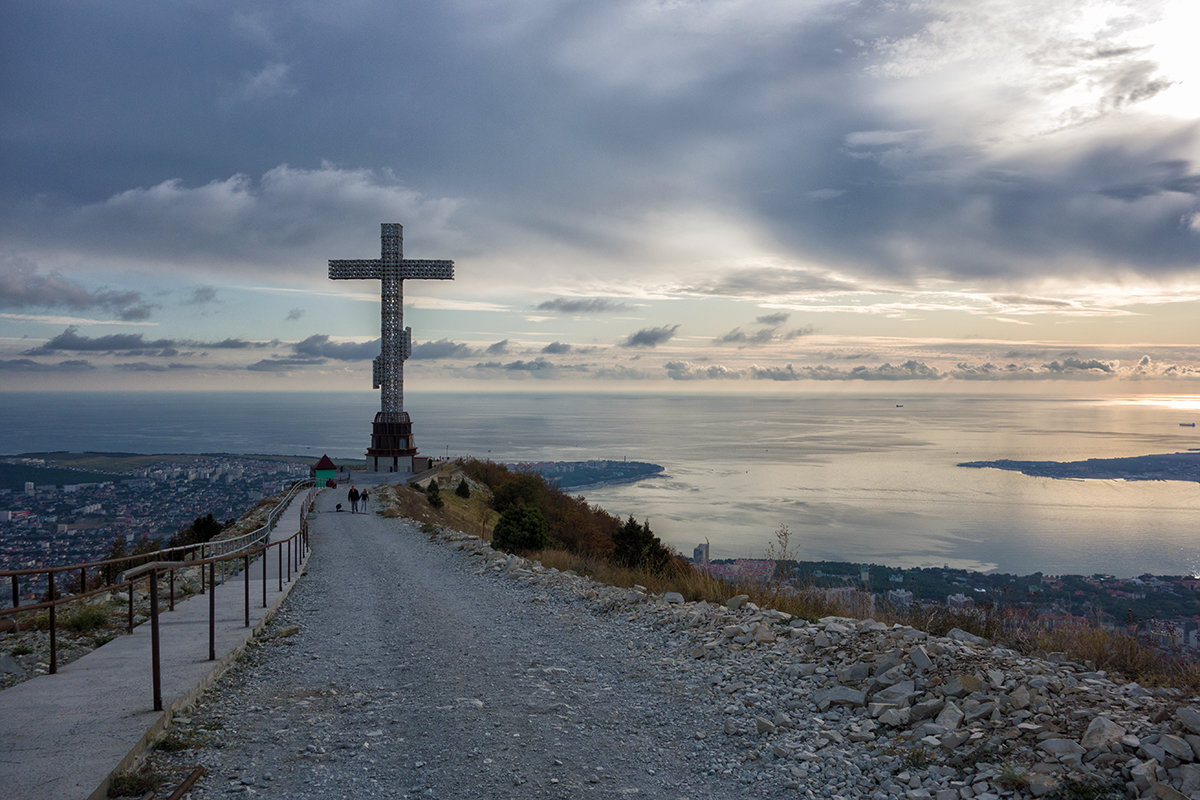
[1180,403]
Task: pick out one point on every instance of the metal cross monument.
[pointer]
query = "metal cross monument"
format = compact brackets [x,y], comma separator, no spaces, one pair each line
[391,436]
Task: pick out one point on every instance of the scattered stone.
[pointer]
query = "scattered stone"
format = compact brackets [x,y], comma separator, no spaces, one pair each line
[1101,732]
[736,602]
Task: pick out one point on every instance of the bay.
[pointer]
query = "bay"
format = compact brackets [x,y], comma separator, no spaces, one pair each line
[868,478]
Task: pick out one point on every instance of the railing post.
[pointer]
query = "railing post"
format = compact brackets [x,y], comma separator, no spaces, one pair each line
[53,625]
[155,669]
[82,580]
[131,606]
[212,610]
[264,560]
[172,582]
[201,569]
[246,582]
[279,566]
[16,593]
[290,541]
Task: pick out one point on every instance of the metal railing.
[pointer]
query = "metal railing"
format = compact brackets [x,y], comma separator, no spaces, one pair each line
[203,557]
[109,568]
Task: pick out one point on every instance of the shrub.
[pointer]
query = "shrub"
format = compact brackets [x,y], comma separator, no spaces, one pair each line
[525,489]
[521,528]
[135,784]
[86,618]
[463,490]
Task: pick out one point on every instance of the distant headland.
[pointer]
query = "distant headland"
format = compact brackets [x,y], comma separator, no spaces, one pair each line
[1164,467]
[590,474]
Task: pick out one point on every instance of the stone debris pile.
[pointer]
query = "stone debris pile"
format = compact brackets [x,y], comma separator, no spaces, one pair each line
[861,709]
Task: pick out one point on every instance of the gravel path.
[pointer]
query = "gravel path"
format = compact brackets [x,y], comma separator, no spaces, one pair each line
[415,673]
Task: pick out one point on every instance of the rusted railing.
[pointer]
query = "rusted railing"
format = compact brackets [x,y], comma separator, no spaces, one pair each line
[198,556]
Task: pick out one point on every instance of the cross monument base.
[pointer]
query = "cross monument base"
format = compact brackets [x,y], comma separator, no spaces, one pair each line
[392,441]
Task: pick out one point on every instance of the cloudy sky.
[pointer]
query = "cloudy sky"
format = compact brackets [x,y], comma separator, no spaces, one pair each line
[713,194]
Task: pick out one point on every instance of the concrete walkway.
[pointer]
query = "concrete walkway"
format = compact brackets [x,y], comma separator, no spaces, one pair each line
[62,736]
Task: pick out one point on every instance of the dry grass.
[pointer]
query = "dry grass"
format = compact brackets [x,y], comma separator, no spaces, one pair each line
[695,585]
[471,515]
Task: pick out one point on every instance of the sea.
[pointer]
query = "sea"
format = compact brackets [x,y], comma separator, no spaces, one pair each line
[869,478]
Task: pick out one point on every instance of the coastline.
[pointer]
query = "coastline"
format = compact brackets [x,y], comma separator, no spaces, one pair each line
[1180,466]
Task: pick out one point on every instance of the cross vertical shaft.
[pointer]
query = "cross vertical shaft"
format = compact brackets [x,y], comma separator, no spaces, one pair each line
[391,322]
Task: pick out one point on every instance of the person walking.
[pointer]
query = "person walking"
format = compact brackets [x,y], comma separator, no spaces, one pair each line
[353,495]
[362,500]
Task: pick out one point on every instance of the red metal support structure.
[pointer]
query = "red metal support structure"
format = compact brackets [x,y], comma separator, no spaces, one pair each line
[246,582]
[53,625]
[155,664]
[212,610]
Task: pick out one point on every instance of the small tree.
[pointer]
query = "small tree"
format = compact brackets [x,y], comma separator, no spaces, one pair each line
[521,527]
[783,553]
[463,490]
[434,494]
[635,546]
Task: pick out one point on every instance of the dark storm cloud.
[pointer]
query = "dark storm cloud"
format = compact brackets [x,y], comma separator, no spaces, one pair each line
[650,337]
[497,348]
[556,348]
[284,364]
[442,348]
[538,367]
[1108,206]
[580,126]
[113,342]
[22,286]
[130,344]
[319,346]
[594,305]
[29,365]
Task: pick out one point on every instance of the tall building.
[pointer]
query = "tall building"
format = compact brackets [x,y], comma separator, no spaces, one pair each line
[700,554]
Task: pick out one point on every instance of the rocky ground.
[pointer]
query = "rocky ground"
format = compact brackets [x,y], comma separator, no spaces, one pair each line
[414,666]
